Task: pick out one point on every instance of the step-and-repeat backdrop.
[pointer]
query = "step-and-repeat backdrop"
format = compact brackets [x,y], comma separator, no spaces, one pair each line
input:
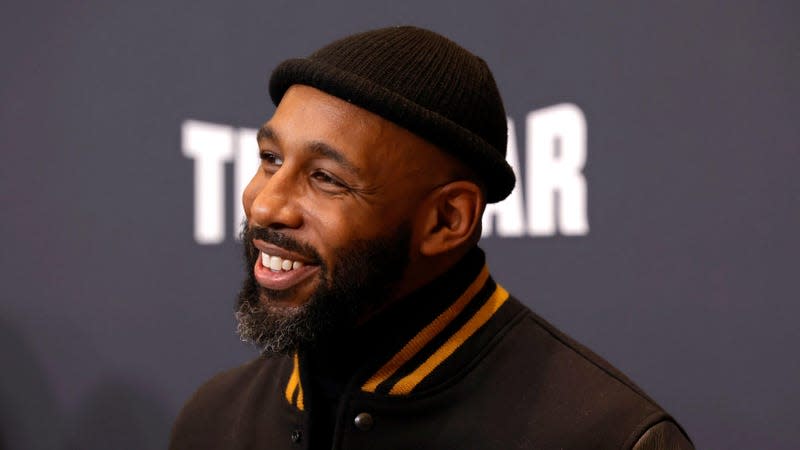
[656,217]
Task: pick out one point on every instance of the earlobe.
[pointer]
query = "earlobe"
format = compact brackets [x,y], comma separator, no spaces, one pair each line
[452,219]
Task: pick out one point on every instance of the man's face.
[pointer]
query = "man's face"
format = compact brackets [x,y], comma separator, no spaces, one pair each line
[330,219]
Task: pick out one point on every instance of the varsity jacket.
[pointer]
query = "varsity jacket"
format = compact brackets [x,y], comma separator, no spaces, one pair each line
[460,364]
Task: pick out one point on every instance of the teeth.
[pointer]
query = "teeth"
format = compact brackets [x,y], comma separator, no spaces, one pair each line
[276,263]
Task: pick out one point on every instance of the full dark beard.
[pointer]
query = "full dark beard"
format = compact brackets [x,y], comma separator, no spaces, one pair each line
[364,273]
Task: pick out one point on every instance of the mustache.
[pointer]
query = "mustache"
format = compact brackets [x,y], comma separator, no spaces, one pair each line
[278,239]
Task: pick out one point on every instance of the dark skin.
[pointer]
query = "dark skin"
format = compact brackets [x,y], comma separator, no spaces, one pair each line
[332,172]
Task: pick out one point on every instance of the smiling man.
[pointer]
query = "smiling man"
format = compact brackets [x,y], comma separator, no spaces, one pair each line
[378,321]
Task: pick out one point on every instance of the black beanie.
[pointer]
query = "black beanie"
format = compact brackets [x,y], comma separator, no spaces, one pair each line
[421,81]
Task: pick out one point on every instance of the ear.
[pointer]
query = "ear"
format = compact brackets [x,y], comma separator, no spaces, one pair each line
[451,218]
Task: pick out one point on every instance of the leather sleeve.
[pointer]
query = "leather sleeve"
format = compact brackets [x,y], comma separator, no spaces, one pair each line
[663,436]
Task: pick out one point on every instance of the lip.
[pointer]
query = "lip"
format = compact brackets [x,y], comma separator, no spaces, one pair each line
[274,250]
[281,280]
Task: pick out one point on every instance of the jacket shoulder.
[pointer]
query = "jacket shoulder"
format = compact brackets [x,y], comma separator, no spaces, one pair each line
[592,360]
[212,414]
[551,372]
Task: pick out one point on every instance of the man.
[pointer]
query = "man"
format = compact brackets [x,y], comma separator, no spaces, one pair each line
[378,322]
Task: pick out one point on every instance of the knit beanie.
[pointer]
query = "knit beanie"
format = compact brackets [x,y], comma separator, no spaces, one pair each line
[422,82]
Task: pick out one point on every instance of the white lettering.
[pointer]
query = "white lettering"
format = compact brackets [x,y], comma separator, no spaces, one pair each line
[556,146]
[554,186]
[246,164]
[210,146]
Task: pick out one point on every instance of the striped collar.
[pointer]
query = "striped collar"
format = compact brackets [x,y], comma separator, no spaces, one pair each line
[415,342]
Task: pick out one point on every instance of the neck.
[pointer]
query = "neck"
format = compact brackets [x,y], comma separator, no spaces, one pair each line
[437,282]
[422,271]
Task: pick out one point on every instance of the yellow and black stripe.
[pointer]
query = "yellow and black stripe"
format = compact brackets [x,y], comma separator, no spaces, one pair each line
[432,346]
[437,341]
[294,389]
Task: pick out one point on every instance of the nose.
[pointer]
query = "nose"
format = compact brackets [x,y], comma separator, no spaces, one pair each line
[272,201]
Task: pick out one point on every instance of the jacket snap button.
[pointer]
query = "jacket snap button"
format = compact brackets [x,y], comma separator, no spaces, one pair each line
[363,421]
[296,436]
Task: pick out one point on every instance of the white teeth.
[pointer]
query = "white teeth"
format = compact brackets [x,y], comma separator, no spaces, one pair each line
[276,263]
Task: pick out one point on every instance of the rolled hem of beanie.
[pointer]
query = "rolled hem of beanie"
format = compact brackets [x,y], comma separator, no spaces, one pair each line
[500,180]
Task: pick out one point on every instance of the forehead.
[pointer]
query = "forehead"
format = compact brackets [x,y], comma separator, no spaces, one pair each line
[307,115]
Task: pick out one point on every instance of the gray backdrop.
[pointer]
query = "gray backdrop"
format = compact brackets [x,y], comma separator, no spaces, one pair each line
[112,313]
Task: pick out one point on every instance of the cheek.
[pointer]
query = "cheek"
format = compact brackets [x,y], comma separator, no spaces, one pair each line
[332,224]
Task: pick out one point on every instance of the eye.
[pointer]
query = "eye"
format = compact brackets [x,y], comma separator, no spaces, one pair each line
[325,178]
[271,158]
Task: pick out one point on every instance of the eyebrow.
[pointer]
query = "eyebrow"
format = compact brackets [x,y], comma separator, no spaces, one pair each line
[317,148]
[326,151]
[266,132]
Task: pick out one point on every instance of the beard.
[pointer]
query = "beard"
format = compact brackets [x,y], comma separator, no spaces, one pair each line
[360,282]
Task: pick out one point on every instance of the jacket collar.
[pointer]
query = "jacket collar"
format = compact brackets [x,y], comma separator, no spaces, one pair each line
[397,351]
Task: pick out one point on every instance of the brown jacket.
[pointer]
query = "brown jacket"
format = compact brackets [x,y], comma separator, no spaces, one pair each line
[458,365]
